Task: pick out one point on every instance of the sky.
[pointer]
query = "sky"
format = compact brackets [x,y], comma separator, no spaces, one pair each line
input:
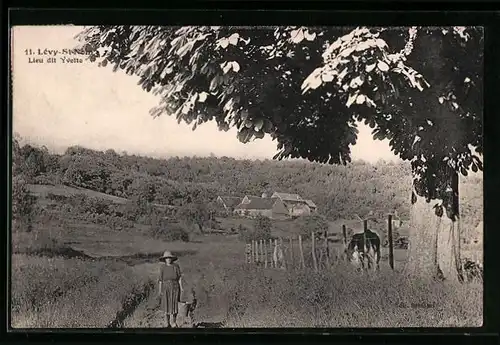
[64,104]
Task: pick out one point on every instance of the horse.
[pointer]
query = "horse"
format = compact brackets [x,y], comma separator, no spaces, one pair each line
[360,252]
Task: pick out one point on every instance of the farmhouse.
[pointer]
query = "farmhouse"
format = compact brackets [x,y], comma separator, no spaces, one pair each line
[294,203]
[267,207]
[228,202]
[312,205]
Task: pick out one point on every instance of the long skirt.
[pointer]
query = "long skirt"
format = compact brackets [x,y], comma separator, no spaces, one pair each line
[170,296]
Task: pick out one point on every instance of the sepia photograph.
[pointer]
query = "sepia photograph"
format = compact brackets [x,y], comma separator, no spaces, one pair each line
[215,177]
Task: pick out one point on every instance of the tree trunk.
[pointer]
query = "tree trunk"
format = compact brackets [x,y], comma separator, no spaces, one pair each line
[434,249]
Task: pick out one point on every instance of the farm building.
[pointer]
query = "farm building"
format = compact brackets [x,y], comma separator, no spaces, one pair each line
[248,198]
[267,207]
[287,196]
[228,202]
[294,203]
[312,205]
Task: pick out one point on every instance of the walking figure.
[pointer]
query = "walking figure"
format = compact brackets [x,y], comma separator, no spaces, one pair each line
[169,287]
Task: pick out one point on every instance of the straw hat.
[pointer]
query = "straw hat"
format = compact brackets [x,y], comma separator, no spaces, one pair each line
[168,254]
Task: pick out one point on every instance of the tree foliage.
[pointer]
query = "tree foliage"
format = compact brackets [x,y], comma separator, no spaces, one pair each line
[307,86]
[22,202]
[313,223]
[195,214]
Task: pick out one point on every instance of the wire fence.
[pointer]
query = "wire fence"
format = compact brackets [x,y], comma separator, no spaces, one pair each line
[319,250]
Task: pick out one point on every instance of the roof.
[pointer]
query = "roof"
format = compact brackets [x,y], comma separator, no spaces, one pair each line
[251,197]
[310,203]
[257,203]
[294,202]
[288,196]
[230,201]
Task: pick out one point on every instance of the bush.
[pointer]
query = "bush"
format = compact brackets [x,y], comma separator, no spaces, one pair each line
[170,232]
[45,179]
[261,230]
[24,207]
[315,223]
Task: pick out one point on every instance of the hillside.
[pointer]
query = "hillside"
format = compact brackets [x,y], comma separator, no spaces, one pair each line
[339,191]
[43,191]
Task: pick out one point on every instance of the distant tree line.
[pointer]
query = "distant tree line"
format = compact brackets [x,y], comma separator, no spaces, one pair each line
[193,183]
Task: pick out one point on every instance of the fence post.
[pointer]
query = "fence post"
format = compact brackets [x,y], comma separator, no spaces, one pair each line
[265,253]
[292,263]
[344,240]
[302,263]
[256,251]
[271,263]
[276,264]
[259,256]
[248,253]
[327,250]
[252,260]
[262,254]
[283,252]
[313,250]
[365,230]
[391,248]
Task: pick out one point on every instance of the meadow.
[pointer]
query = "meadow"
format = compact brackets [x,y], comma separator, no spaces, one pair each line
[83,275]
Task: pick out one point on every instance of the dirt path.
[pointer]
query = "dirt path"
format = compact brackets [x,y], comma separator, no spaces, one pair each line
[143,309]
[147,313]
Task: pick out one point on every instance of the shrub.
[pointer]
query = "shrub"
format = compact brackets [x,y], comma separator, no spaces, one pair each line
[170,232]
[308,224]
[24,206]
[261,230]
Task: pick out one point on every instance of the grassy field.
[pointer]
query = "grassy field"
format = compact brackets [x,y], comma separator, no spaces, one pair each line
[118,286]
[42,191]
[68,273]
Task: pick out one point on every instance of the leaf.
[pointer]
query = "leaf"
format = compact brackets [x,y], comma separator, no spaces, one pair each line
[224,43]
[202,97]
[370,68]
[383,66]
[297,36]
[474,167]
[236,66]
[259,135]
[346,52]
[380,43]
[226,66]
[185,49]
[419,86]
[362,46]
[214,83]
[233,39]
[313,81]
[356,82]
[309,36]
[343,74]
[360,99]
[327,77]
[258,125]
[370,103]
[185,109]
[244,115]
[351,99]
